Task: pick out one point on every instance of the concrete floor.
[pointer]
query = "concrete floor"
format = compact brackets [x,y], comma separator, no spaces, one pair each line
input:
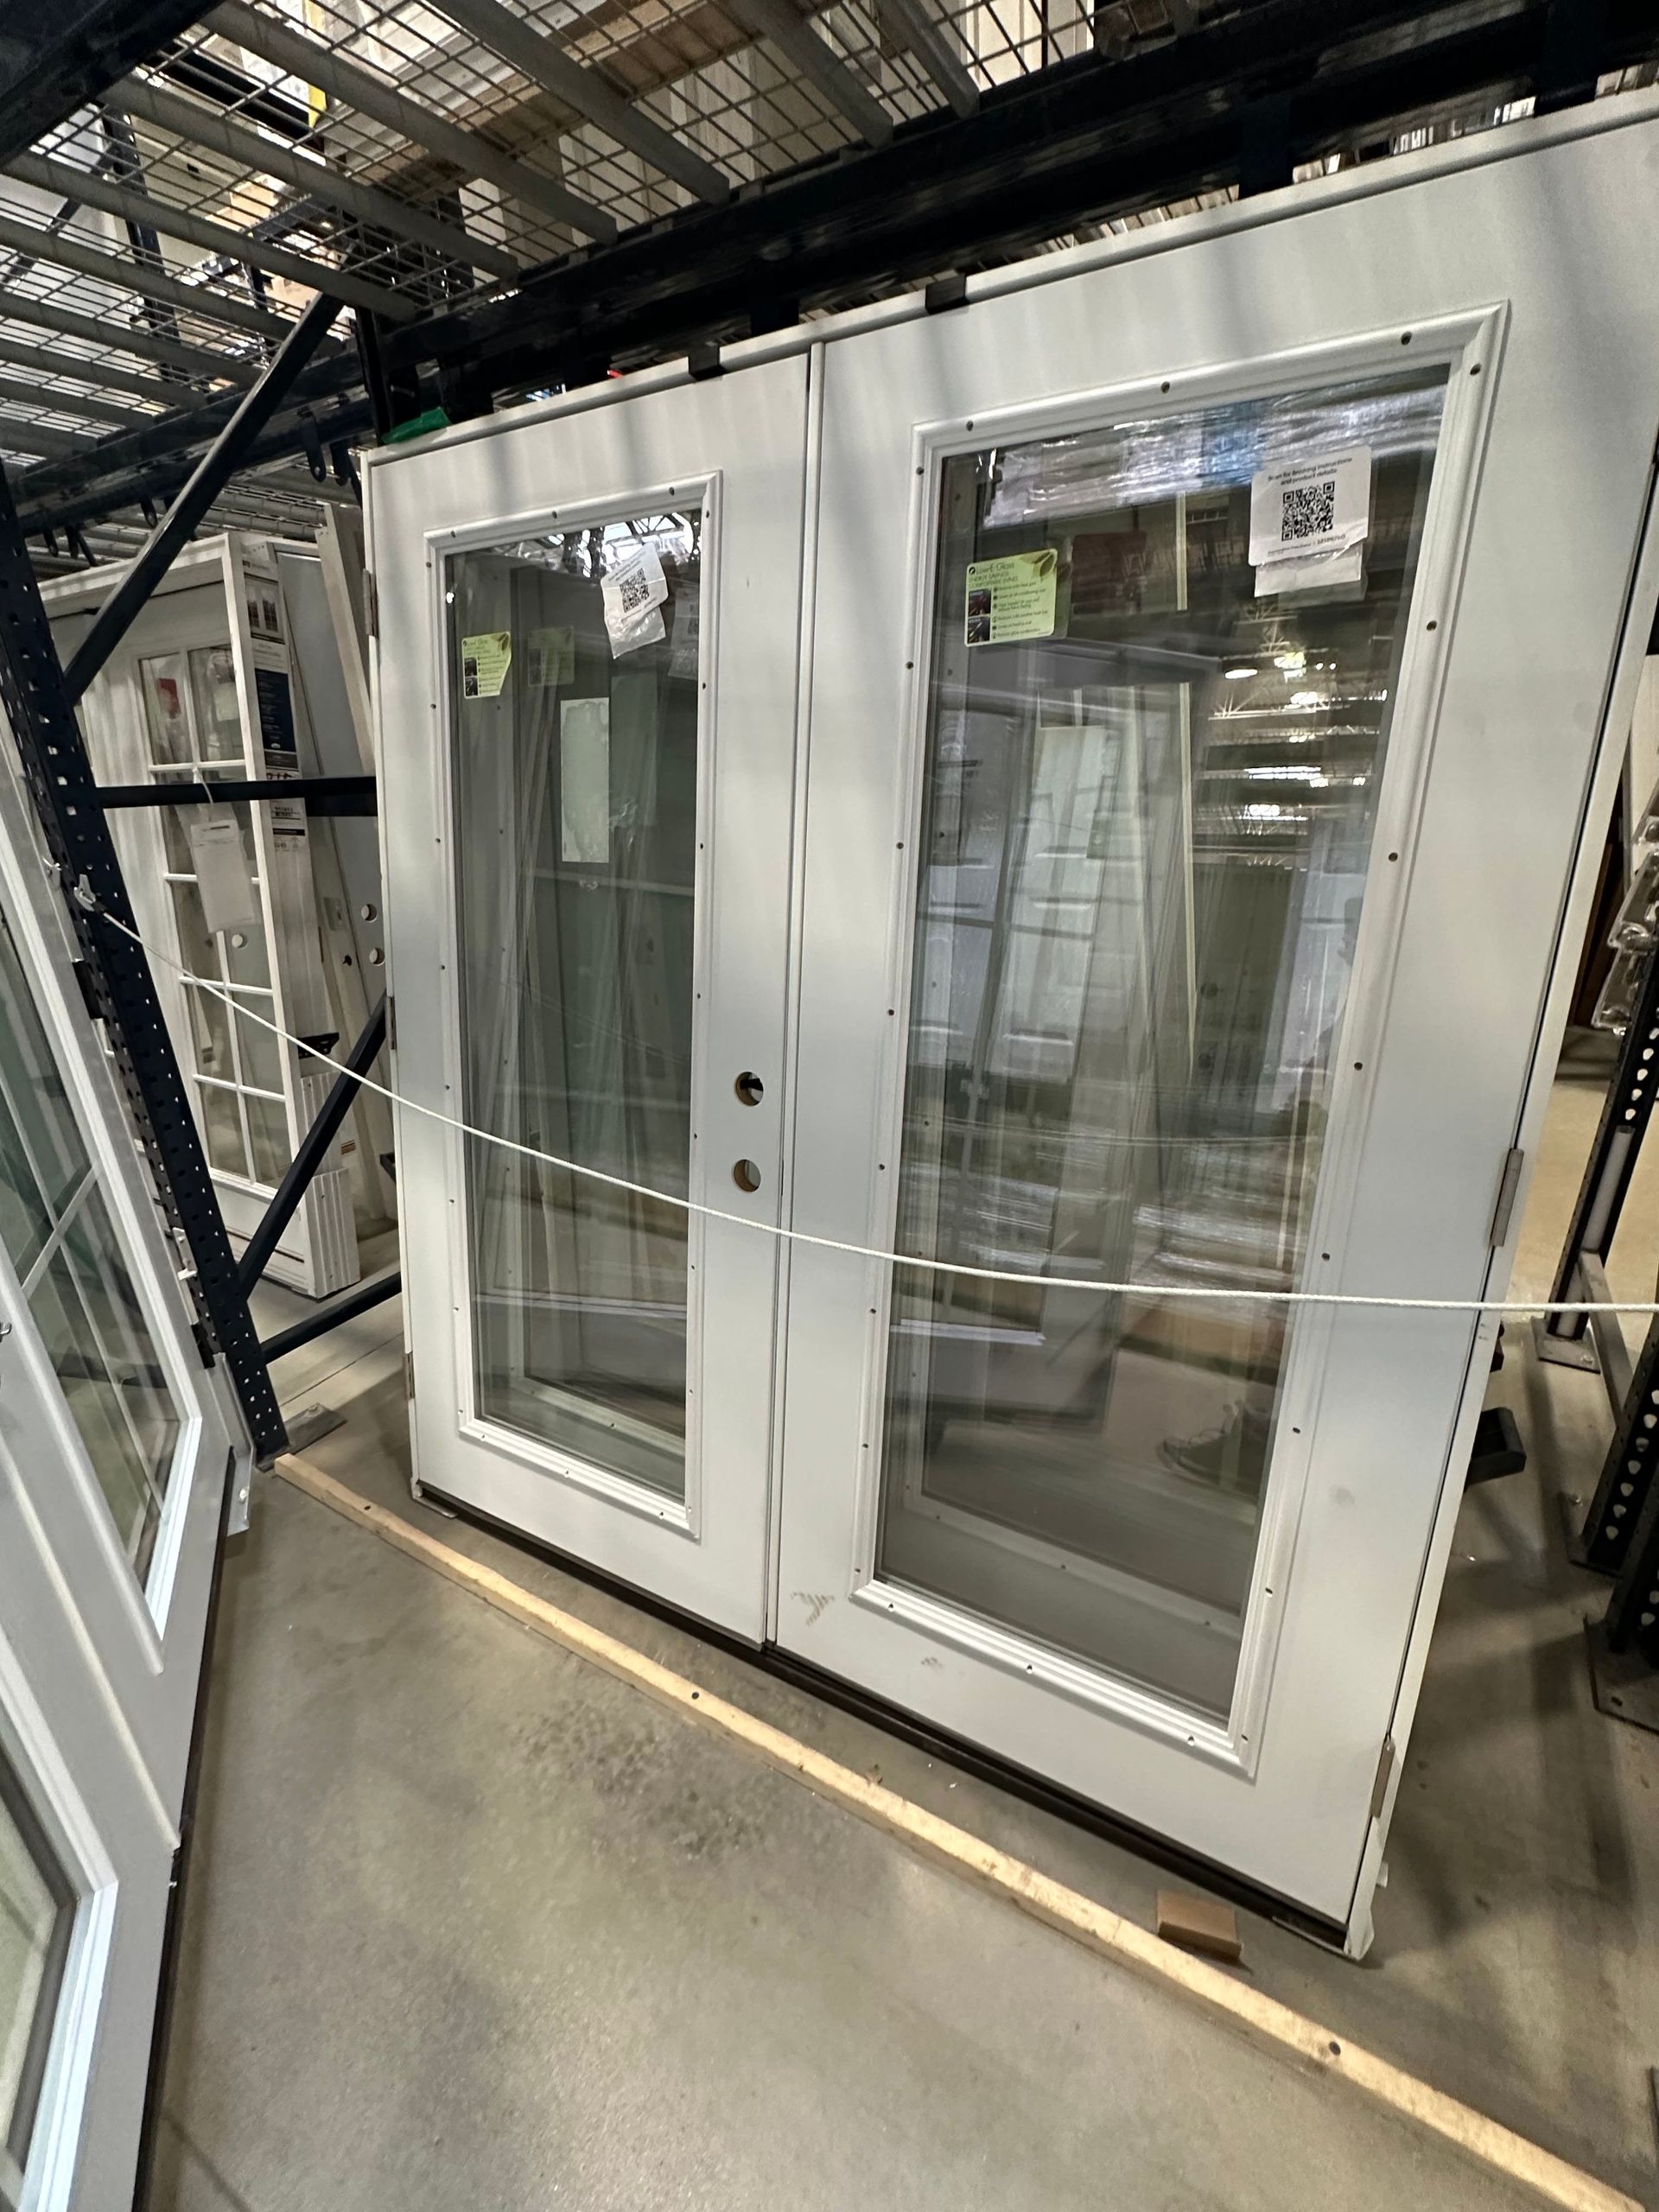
[469,1922]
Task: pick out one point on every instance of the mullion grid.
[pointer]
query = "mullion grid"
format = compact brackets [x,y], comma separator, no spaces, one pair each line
[200,769]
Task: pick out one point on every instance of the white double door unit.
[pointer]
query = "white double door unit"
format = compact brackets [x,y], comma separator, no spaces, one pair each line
[116,1446]
[1081,788]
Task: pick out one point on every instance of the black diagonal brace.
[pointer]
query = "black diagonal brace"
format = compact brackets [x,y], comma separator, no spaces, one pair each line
[212,472]
[118,980]
[314,1147]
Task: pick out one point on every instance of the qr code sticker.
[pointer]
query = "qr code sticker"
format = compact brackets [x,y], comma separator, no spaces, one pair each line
[1307,510]
[633,588]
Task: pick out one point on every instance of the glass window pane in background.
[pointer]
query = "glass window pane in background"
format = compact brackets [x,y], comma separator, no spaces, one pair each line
[260,1052]
[268,1132]
[575,769]
[219,717]
[221,1122]
[36,1914]
[162,681]
[210,1034]
[246,958]
[1148,818]
[195,939]
[42,1160]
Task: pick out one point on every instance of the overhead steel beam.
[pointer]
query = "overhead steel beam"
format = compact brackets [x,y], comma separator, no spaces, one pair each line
[246,246]
[908,24]
[66,403]
[1080,140]
[536,54]
[313,63]
[121,338]
[104,374]
[58,55]
[124,273]
[227,454]
[219,134]
[162,436]
[778,23]
[348,423]
[40,437]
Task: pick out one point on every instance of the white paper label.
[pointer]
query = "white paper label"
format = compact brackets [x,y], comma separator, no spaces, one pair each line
[1316,506]
[634,591]
[1312,574]
[223,877]
[585,780]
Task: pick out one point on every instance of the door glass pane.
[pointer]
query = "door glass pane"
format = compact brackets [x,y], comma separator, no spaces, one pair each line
[36,1913]
[221,1124]
[62,1241]
[1151,779]
[575,678]
[167,715]
[267,1133]
[219,718]
[42,1160]
[85,1306]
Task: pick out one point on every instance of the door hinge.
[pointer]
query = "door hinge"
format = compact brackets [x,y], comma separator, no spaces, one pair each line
[199,1329]
[1384,1775]
[370,604]
[392,1023]
[409,1375]
[1509,1183]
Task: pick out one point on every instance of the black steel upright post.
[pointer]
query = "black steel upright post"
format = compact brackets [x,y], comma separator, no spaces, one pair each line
[1624,1117]
[1627,1474]
[49,742]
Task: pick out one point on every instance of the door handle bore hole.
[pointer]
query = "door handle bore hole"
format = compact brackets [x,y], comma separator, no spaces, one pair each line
[746,1175]
[749,1088]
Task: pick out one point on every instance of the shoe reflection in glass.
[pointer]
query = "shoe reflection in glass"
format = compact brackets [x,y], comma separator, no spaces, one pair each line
[1231,1456]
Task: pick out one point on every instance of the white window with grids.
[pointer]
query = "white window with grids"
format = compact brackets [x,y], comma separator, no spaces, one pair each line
[200,693]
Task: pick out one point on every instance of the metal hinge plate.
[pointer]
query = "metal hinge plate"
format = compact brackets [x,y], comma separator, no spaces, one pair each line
[1384,1774]
[409,1375]
[1509,1183]
[370,604]
[392,1023]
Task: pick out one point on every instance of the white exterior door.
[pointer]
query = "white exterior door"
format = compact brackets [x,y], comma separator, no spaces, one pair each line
[116,1446]
[1211,649]
[586,698]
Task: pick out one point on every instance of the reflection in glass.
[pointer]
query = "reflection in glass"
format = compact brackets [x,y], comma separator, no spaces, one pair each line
[166,715]
[62,1241]
[1148,817]
[219,717]
[575,677]
[36,1915]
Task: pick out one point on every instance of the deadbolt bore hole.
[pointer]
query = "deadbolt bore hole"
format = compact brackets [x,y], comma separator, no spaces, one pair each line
[746,1175]
[749,1088]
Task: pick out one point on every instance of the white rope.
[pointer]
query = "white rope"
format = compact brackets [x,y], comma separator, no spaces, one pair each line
[869,1251]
